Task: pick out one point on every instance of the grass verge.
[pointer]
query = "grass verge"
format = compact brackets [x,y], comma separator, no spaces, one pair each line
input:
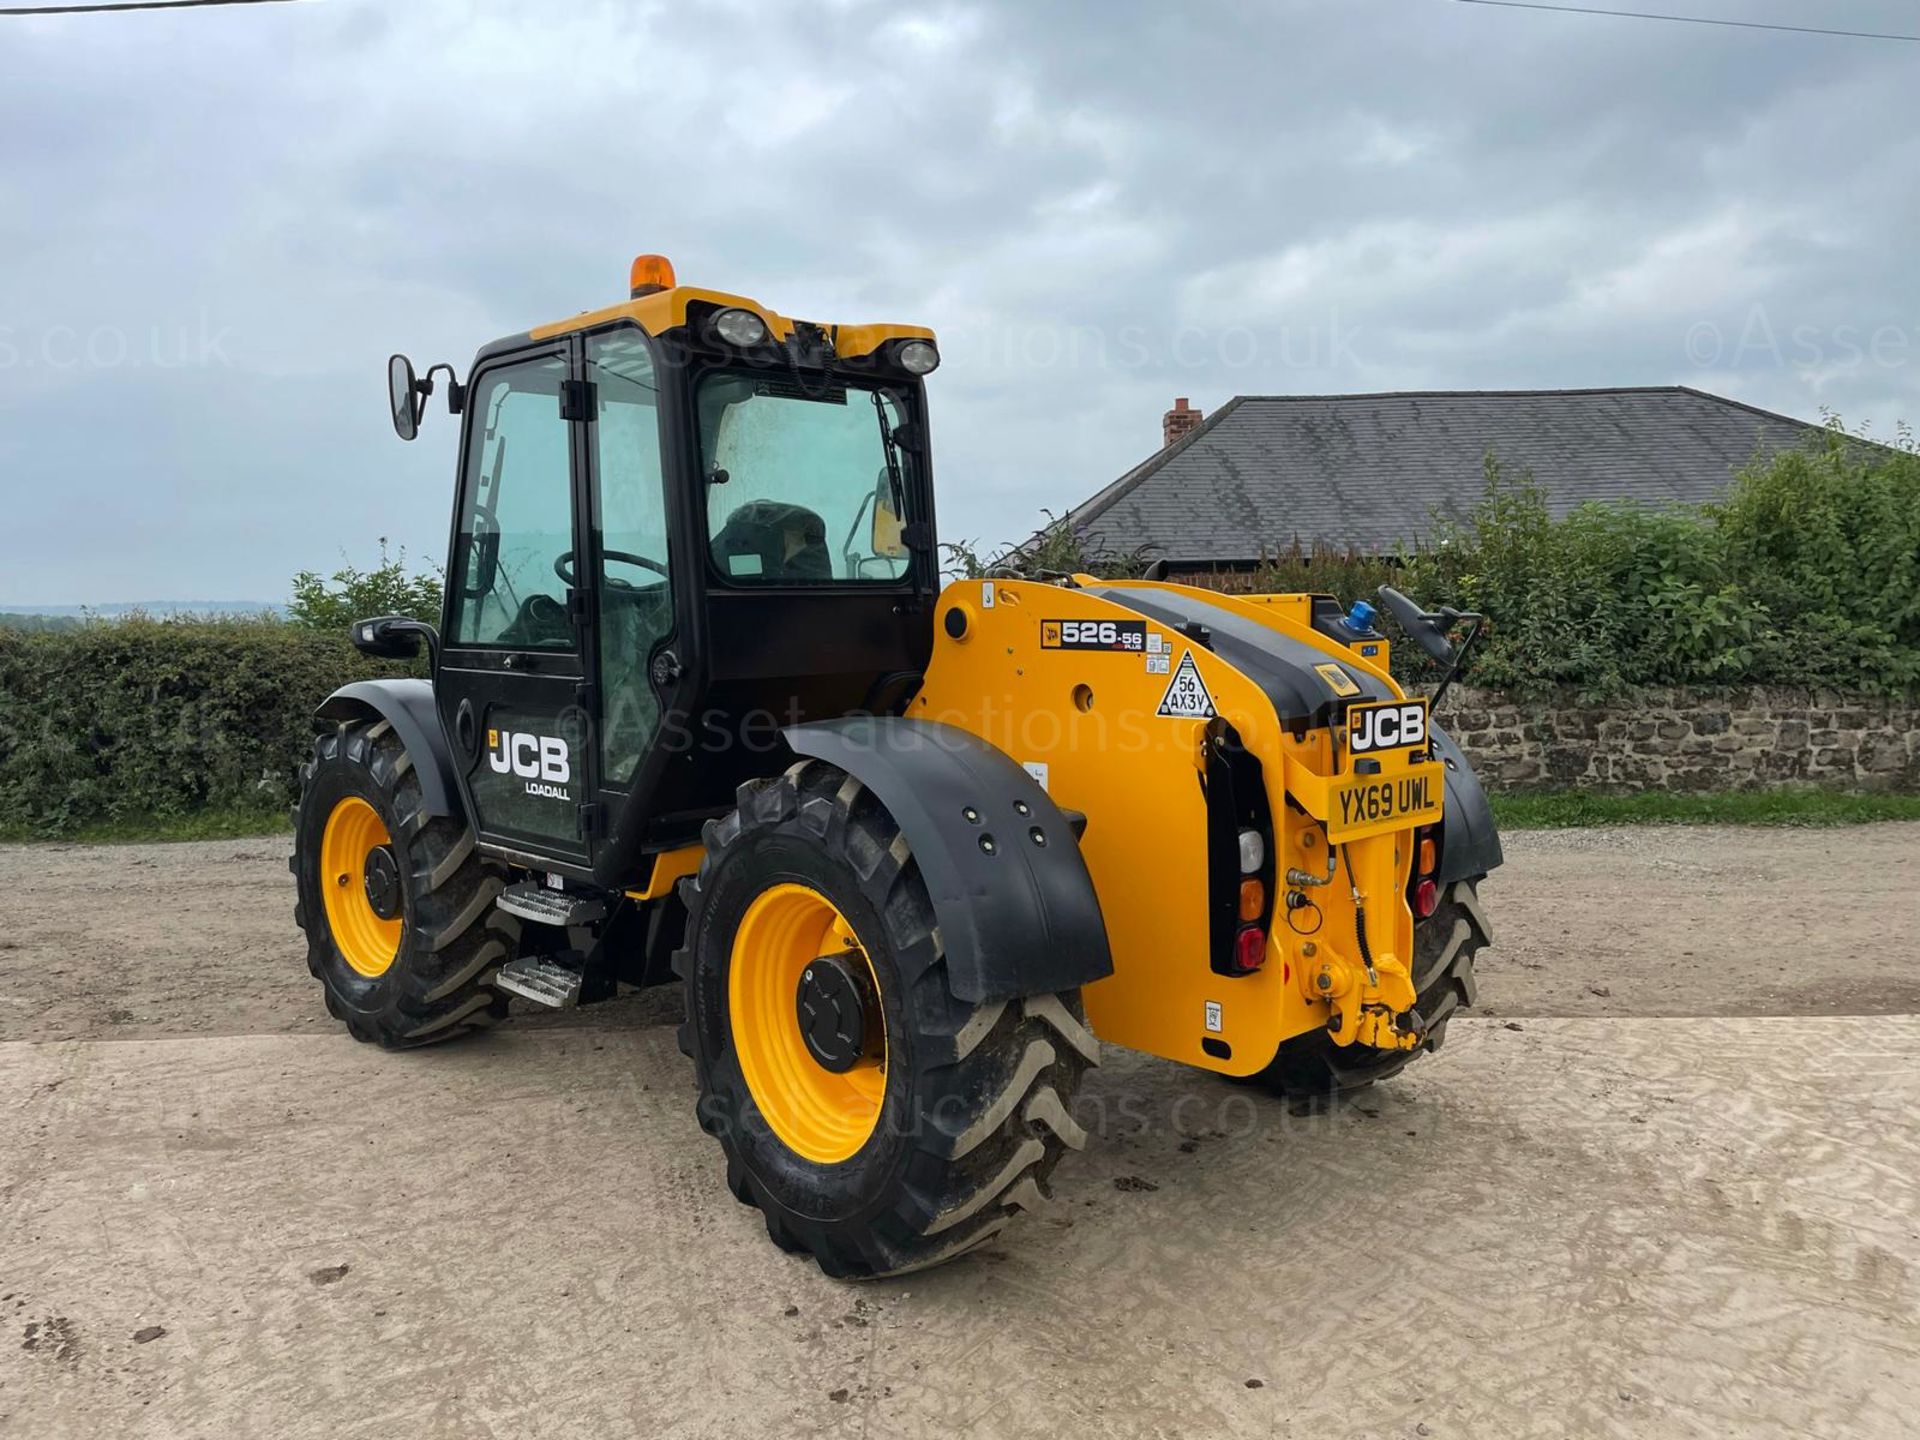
[1808,807]
[1560,810]
[203,825]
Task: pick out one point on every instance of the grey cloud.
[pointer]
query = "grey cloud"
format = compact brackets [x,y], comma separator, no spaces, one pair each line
[1100,205]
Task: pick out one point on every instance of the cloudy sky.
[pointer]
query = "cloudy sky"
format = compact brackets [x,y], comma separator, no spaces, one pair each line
[215,225]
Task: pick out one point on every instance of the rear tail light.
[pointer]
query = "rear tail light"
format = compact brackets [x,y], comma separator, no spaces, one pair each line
[1250,950]
[1429,856]
[1253,851]
[1253,900]
[1426,897]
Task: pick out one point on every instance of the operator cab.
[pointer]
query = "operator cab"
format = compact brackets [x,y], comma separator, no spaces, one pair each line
[682,524]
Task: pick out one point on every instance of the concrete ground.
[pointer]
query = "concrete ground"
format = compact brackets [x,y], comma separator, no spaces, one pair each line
[1694,1209]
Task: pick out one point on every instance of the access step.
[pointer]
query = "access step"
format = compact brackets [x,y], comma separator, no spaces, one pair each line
[540,980]
[535,902]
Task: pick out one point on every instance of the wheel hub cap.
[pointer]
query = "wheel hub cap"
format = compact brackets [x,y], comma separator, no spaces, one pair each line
[383,883]
[832,1007]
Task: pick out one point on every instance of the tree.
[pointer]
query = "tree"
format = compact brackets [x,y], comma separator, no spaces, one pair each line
[334,602]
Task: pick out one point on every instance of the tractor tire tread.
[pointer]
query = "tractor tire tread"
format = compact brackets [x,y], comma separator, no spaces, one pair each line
[1005,1072]
[439,987]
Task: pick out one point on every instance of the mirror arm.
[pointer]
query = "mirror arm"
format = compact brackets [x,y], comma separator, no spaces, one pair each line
[456,392]
[1459,655]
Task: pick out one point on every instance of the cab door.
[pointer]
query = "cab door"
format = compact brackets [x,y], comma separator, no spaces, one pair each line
[634,602]
[512,672]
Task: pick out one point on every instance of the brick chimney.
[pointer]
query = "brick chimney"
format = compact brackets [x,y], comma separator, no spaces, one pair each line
[1179,421]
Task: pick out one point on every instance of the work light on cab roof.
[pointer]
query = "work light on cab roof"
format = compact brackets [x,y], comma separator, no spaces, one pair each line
[649,275]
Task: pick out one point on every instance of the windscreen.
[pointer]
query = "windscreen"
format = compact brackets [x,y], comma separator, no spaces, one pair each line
[804,483]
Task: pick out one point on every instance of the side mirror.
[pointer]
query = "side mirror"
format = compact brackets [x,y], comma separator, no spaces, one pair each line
[392,637]
[1427,630]
[404,397]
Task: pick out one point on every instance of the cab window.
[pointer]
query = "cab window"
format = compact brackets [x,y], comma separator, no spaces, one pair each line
[634,595]
[804,482]
[516,515]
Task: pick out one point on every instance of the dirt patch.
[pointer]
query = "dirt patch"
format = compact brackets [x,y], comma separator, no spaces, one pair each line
[1689,920]
[135,942]
[1646,1228]
[57,1338]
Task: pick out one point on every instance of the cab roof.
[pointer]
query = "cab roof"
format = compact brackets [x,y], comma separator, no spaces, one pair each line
[666,310]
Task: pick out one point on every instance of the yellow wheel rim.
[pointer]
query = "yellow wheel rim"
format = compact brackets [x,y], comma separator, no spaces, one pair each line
[354,831]
[818,1114]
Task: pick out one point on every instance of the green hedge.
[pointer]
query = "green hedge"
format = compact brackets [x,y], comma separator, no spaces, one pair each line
[152,720]
[1808,575]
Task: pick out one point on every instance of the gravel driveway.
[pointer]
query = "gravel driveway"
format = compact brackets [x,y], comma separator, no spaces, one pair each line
[1667,1183]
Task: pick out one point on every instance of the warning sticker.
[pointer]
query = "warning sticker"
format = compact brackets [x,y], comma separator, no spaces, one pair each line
[1156,643]
[1187,697]
[1161,664]
[1215,1020]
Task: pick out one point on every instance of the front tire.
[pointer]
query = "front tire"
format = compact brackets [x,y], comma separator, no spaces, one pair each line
[950,1118]
[397,905]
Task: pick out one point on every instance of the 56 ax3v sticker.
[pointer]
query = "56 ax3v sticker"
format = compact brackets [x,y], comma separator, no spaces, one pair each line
[1128,637]
[1187,696]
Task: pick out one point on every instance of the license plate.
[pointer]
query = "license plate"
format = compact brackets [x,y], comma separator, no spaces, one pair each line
[1367,804]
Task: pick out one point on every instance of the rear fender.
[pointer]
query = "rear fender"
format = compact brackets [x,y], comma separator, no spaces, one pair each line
[408,706]
[1017,917]
[1469,840]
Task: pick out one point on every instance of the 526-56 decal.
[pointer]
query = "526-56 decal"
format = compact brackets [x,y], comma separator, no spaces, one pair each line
[1129,637]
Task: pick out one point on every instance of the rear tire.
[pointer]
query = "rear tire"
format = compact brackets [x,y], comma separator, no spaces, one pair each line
[973,1106]
[1444,947]
[424,979]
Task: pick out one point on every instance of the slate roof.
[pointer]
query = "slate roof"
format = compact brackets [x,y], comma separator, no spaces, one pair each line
[1368,471]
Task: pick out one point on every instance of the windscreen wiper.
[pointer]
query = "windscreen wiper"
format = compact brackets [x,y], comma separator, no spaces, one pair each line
[895,486]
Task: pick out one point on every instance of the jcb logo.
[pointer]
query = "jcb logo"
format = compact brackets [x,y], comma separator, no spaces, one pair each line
[531,757]
[1392,726]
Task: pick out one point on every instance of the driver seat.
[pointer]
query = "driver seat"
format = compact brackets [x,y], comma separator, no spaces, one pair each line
[789,541]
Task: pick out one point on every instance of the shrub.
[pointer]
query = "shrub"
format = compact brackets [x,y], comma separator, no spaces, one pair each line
[140,718]
[1807,575]
[333,603]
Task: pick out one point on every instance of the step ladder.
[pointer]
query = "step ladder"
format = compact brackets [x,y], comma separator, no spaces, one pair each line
[530,901]
[543,981]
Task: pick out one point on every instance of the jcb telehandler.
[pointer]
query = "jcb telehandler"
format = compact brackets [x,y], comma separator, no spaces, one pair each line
[699,708]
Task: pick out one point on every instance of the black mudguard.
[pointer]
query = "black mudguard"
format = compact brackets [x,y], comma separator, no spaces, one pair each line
[408,706]
[1469,840]
[1016,917]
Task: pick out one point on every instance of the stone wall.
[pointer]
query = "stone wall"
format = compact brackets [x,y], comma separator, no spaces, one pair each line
[1689,740]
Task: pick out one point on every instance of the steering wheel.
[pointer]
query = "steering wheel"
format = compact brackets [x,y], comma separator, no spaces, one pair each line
[563,567]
